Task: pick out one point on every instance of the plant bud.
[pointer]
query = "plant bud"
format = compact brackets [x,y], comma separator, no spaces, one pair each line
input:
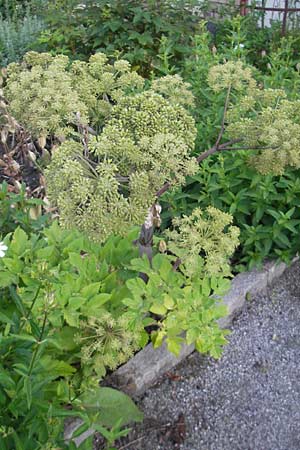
[42,141]
[162,246]
[31,156]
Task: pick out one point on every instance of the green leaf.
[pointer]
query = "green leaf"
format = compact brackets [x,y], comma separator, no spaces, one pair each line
[28,391]
[19,242]
[5,380]
[72,318]
[174,345]
[82,429]
[5,319]
[17,441]
[159,309]
[157,338]
[284,239]
[112,406]
[76,260]
[7,278]
[91,289]
[98,300]
[14,265]
[17,300]
[64,339]
[24,337]
[168,302]
[76,302]
[140,264]
[205,287]
[136,285]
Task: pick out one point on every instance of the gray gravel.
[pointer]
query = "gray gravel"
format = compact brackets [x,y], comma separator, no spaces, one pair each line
[247,400]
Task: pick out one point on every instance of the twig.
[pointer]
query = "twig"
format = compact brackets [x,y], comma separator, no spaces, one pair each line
[133,442]
[249,148]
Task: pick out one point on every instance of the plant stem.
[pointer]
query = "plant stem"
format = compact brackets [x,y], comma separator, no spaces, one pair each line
[37,346]
[31,307]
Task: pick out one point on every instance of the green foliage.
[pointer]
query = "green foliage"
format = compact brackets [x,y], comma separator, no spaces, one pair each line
[52,288]
[18,210]
[182,303]
[226,182]
[71,309]
[133,30]
[235,42]
[18,31]
[265,208]
[16,8]
[247,36]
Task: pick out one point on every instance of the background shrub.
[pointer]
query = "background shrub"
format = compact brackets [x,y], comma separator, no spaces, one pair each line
[133,30]
[19,29]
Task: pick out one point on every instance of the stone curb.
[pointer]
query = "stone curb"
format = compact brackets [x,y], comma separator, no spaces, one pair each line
[141,371]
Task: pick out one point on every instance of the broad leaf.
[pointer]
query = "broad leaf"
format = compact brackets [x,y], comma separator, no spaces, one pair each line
[112,405]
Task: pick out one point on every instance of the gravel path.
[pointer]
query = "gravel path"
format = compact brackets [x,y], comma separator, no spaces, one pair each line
[248,400]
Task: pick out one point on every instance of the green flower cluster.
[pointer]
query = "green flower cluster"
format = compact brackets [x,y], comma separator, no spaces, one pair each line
[210,238]
[263,120]
[270,123]
[46,93]
[108,341]
[231,73]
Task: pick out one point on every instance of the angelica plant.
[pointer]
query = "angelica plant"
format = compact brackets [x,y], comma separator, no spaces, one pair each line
[120,142]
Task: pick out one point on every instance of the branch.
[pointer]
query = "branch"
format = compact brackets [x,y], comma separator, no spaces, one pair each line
[249,148]
[200,158]
[215,149]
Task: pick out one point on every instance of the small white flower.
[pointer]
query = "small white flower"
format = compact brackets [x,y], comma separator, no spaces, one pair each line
[239,46]
[3,249]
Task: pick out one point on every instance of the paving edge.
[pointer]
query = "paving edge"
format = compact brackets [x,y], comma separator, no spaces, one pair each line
[141,371]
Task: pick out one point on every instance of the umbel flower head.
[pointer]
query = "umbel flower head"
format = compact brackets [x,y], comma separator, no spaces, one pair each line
[3,249]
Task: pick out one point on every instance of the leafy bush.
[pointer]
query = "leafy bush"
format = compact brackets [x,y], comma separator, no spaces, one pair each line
[52,292]
[72,309]
[257,43]
[15,8]
[226,182]
[133,30]
[17,35]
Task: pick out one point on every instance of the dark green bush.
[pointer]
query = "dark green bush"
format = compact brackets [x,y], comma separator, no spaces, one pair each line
[134,30]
